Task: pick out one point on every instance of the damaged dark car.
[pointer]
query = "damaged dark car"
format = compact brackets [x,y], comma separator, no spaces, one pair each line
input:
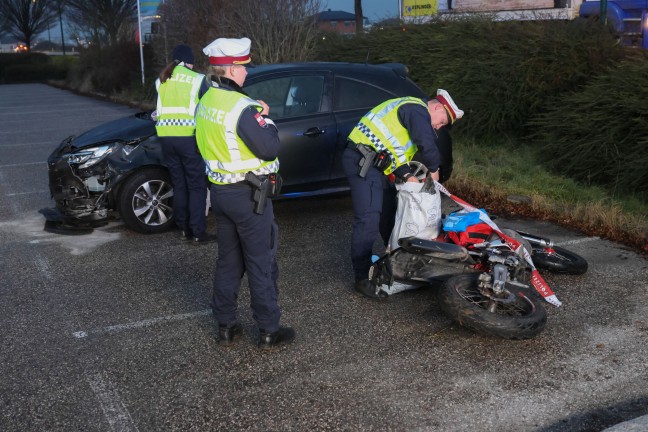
[116,166]
[117,169]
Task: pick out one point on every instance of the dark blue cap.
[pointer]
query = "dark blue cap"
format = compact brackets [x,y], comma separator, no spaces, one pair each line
[183,53]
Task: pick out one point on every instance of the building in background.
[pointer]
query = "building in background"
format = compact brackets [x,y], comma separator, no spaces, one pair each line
[423,10]
[339,22]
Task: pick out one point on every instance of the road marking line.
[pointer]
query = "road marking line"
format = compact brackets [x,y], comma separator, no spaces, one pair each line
[138,324]
[26,193]
[115,412]
[22,164]
[43,267]
[52,143]
[52,132]
[13,204]
[583,240]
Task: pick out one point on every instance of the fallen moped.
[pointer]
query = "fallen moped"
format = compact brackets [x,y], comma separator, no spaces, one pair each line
[489,283]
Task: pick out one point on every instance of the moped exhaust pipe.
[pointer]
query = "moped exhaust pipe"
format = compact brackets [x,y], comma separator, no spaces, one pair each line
[536,241]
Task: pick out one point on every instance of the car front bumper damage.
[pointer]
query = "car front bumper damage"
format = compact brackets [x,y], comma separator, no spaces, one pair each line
[83,196]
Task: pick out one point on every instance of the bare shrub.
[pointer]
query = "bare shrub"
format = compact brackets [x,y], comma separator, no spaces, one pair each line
[107,70]
[102,22]
[280,30]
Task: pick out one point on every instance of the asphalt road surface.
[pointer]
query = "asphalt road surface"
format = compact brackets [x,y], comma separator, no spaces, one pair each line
[112,331]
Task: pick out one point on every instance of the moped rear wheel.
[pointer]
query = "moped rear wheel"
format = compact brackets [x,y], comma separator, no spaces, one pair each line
[559,260]
[522,317]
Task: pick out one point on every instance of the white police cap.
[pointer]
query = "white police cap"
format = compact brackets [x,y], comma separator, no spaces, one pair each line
[454,113]
[228,52]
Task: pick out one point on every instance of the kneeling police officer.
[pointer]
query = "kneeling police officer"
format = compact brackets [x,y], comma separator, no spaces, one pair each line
[383,143]
[240,144]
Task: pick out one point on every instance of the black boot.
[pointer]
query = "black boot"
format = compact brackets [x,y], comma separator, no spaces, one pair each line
[203,239]
[368,289]
[228,335]
[270,340]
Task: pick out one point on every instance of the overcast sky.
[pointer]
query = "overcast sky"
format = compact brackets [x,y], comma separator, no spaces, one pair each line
[375,10]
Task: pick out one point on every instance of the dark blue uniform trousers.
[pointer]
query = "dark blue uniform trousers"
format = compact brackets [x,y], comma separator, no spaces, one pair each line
[187,169]
[374,210]
[247,243]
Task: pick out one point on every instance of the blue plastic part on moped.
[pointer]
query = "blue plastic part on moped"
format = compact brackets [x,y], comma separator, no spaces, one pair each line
[459,221]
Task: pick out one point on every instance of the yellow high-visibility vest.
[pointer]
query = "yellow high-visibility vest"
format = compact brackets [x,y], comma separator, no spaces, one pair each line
[227,156]
[381,129]
[177,101]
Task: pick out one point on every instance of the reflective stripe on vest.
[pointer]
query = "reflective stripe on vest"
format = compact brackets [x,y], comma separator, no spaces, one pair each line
[227,156]
[177,101]
[381,129]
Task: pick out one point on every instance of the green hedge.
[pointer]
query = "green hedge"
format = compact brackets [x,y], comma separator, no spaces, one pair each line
[34,72]
[566,87]
[500,73]
[16,68]
[600,133]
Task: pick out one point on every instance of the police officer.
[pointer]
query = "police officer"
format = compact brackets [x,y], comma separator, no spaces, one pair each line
[382,143]
[178,87]
[238,140]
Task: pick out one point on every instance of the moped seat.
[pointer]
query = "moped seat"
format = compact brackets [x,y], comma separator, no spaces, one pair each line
[449,251]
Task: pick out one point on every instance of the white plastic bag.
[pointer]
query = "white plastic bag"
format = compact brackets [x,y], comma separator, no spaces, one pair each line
[418,214]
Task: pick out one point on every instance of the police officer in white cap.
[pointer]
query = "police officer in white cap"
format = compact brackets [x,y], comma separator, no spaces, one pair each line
[240,145]
[394,130]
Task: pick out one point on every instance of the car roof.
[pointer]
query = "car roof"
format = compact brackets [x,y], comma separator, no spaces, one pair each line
[393,77]
[336,67]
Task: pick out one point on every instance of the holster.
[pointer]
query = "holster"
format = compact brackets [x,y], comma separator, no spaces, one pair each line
[367,161]
[370,158]
[261,187]
[264,187]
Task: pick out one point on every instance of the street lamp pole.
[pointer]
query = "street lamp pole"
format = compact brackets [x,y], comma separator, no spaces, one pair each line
[141,39]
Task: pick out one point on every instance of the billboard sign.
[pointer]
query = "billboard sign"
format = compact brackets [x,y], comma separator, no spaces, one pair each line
[149,7]
[415,8]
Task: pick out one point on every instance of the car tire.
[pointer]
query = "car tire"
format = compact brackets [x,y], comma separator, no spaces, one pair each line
[146,201]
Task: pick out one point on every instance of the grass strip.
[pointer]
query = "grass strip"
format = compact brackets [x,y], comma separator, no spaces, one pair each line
[510,181]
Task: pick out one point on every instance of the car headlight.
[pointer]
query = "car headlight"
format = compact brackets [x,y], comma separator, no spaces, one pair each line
[89,156]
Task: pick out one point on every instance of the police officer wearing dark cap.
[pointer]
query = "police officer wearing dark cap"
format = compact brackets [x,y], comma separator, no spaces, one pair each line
[240,145]
[381,144]
[178,87]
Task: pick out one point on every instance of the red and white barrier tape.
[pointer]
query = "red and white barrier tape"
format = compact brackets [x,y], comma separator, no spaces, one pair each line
[537,280]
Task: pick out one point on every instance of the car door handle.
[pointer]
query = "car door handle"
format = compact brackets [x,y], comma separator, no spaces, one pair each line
[314,131]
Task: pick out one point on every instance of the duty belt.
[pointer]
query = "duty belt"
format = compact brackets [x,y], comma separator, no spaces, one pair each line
[353,146]
[370,158]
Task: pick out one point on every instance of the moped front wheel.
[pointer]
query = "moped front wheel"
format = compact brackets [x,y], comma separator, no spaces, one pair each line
[520,316]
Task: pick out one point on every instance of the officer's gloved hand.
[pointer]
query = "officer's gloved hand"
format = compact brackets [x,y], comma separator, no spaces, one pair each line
[412,178]
[266,108]
[154,115]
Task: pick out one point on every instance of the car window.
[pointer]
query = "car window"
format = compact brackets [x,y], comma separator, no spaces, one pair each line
[289,96]
[351,94]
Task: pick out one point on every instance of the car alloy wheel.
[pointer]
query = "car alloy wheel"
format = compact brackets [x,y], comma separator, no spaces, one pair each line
[146,201]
